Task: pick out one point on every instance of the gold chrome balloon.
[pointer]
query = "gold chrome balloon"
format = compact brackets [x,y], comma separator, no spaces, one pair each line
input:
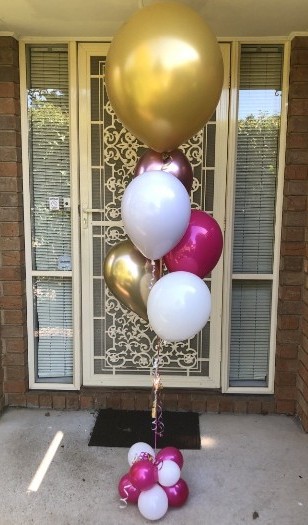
[130,277]
[164,74]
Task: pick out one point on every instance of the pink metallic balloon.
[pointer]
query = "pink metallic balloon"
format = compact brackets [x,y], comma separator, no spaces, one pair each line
[143,474]
[177,494]
[199,249]
[174,162]
[172,453]
[127,490]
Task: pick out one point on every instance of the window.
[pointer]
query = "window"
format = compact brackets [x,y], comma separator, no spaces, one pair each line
[254,213]
[50,212]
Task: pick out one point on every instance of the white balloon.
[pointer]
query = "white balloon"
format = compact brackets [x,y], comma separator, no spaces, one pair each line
[169,473]
[179,306]
[155,212]
[153,503]
[137,450]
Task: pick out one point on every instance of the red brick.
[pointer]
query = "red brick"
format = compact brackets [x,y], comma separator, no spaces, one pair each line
[72,401]
[288,365]
[184,402]
[288,336]
[11,243]
[143,401]
[298,90]
[296,172]
[299,73]
[58,401]
[15,345]
[7,106]
[10,138]
[128,401]
[294,218]
[14,317]
[7,89]
[15,387]
[299,57]
[293,234]
[240,406]
[17,400]
[285,407]
[100,400]
[292,263]
[13,331]
[298,107]
[13,258]
[12,302]
[10,154]
[13,288]
[290,293]
[14,360]
[16,372]
[303,417]
[254,406]
[11,229]
[283,378]
[299,42]
[11,169]
[170,401]
[292,248]
[291,278]
[198,403]
[268,406]
[86,402]
[290,307]
[285,392]
[11,209]
[295,202]
[226,405]
[32,400]
[45,400]
[288,322]
[10,184]
[296,187]
[212,404]
[11,273]
[293,156]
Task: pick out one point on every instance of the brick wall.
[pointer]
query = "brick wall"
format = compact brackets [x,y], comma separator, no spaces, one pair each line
[291,366]
[12,263]
[297,197]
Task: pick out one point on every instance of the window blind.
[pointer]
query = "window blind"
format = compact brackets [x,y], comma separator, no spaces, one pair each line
[254,211]
[48,114]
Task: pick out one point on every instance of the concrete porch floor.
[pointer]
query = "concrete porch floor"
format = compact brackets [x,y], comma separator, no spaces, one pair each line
[251,469]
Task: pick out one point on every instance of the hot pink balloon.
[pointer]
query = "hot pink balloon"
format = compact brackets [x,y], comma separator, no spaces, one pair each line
[199,249]
[172,453]
[174,162]
[177,494]
[143,474]
[127,490]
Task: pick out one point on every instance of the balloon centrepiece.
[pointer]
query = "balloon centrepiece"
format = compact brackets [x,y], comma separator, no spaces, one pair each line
[199,249]
[153,482]
[174,162]
[179,306]
[164,74]
[129,276]
[155,212]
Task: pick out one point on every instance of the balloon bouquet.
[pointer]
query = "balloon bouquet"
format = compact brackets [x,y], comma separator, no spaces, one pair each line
[164,77]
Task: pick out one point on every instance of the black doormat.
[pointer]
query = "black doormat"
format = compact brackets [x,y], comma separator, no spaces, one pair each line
[123,428]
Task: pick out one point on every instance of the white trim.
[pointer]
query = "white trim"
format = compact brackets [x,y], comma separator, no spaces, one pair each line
[230,195]
[252,276]
[74,275]
[9,33]
[254,39]
[74,165]
[294,34]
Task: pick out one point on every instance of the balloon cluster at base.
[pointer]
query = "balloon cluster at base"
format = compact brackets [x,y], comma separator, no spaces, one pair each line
[154,482]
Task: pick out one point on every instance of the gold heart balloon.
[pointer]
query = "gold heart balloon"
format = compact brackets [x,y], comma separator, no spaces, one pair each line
[130,276]
[164,74]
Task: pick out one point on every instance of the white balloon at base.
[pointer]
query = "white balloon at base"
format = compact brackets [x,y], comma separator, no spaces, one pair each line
[138,450]
[155,212]
[179,306]
[153,503]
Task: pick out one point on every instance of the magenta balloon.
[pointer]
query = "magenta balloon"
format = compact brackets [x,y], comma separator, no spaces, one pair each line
[127,490]
[177,494]
[143,474]
[171,453]
[199,249]
[174,162]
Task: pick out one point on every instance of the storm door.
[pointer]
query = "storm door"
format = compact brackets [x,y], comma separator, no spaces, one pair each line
[118,346]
